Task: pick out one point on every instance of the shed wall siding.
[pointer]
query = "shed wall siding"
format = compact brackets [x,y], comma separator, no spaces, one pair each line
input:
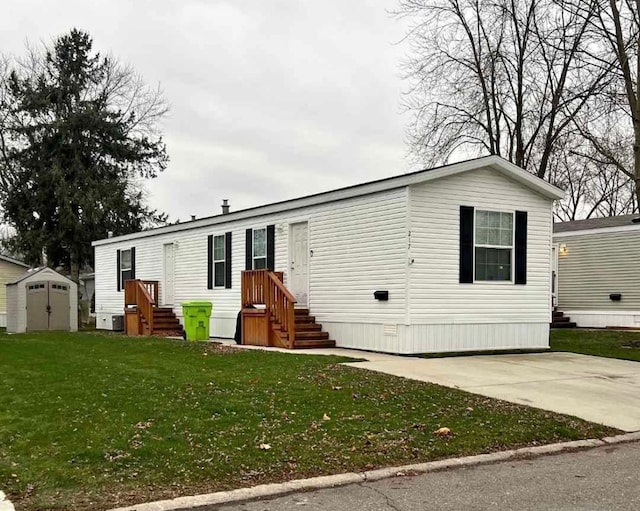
[358,246]
[597,265]
[436,296]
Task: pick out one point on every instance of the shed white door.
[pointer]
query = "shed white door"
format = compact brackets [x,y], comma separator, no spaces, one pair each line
[168,282]
[37,306]
[299,271]
[59,318]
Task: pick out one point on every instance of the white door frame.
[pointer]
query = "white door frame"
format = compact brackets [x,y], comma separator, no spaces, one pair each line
[290,268]
[164,274]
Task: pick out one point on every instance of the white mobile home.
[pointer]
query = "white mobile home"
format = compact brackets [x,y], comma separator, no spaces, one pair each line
[597,274]
[461,253]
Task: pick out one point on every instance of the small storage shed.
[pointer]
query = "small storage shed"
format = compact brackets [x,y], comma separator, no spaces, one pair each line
[42,299]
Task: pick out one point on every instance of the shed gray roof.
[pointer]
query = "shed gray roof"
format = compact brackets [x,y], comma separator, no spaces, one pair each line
[35,271]
[13,260]
[595,223]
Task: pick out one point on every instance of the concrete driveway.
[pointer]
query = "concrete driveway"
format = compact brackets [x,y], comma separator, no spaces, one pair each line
[602,390]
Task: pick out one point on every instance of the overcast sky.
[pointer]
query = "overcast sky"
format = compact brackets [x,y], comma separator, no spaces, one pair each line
[270,99]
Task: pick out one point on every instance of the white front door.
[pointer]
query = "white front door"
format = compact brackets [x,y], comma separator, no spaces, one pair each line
[299,270]
[168,278]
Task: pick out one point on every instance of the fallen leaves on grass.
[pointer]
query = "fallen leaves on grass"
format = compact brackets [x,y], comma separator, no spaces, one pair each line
[443,432]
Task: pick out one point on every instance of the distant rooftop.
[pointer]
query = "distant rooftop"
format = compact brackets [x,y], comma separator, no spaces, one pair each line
[596,223]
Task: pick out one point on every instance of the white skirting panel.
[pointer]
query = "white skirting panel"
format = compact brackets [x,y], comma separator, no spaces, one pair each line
[604,319]
[103,321]
[3,319]
[410,339]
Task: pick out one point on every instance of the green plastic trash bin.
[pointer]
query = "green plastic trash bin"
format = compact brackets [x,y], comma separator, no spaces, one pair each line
[196,320]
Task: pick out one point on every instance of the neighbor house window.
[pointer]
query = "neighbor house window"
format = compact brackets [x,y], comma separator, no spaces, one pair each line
[125,266]
[219,261]
[493,245]
[259,249]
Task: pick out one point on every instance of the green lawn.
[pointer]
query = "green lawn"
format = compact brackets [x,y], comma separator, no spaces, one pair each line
[90,421]
[602,343]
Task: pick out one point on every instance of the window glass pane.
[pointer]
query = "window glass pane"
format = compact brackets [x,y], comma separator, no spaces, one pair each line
[218,270]
[126,275]
[482,236]
[260,263]
[494,237]
[494,228]
[506,221]
[493,219]
[506,237]
[260,243]
[218,248]
[493,263]
[481,218]
[125,260]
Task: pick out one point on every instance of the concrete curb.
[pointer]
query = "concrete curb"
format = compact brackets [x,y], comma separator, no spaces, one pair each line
[5,504]
[317,483]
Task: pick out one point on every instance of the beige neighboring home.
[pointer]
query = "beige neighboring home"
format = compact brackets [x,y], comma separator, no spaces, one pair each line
[596,271]
[10,269]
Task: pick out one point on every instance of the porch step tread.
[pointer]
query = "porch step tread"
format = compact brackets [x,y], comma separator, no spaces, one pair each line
[301,312]
[299,319]
[308,327]
[325,343]
[311,335]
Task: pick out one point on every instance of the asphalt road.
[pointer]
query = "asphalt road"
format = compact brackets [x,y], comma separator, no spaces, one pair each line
[598,479]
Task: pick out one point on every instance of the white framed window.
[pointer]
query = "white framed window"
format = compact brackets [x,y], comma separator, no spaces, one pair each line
[259,249]
[493,246]
[218,261]
[125,266]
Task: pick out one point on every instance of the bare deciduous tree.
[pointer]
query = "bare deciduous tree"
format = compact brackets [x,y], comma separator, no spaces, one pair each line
[526,80]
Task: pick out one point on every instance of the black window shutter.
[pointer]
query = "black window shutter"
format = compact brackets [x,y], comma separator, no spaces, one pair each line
[466,244]
[133,263]
[271,247]
[210,262]
[249,250]
[521,247]
[227,260]
[119,285]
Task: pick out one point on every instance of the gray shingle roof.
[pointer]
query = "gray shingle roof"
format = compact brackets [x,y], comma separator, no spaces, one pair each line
[595,223]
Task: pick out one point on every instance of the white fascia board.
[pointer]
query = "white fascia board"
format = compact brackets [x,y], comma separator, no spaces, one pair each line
[494,162]
[601,230]
[527,178]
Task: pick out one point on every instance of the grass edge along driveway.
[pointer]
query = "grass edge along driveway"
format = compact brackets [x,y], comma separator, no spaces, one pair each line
[620,344]
[92,421]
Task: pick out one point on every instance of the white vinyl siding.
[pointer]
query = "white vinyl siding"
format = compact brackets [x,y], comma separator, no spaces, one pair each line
[357,246]
[436,296]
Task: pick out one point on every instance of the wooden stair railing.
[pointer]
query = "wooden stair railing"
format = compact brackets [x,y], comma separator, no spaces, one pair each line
[143,294]
[266,287]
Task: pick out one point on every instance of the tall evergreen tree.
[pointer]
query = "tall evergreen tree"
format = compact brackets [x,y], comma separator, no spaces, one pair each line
[78,131]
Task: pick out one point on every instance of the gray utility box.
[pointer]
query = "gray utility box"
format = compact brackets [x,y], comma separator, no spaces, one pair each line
[117,323]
